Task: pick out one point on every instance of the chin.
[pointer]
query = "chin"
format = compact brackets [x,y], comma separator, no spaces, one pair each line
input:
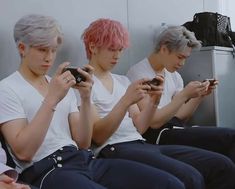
[171,70]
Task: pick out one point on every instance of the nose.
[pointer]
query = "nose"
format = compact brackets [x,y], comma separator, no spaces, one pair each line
[182,62]
[48,56]
[117,54]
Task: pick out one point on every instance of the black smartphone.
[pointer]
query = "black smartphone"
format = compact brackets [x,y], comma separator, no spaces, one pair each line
[78,76]
[211,81]
[154,81]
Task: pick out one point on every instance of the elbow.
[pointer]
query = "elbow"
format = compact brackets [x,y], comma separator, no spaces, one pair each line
[98,141]
[99,137]
[142,130]
[84,145]
[157,125]
[25,157]
[183,118]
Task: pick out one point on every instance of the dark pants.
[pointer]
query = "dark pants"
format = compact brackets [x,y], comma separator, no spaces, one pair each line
[69,168]
[217,139]
[196,168]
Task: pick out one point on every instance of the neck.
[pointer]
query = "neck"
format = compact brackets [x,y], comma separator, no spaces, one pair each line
[155,62]
[99,71]
[32,77]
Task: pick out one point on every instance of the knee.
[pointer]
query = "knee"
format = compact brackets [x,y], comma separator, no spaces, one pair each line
[225,165]
[166,182]
[194,180]
[228,168]
[174,183]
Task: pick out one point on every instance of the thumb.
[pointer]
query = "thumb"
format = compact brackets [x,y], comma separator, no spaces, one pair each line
[6,179]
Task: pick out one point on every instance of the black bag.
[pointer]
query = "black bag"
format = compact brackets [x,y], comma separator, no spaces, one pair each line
[212,29]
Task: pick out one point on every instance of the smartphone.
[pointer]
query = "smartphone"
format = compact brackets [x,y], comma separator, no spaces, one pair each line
[78,76]
[211,81]
[154,81]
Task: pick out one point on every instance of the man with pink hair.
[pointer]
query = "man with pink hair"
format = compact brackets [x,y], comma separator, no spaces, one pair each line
[119,122]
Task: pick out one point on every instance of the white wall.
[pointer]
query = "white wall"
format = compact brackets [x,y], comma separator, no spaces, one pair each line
[145,18]
[141,17]
[73,15]
[228,9]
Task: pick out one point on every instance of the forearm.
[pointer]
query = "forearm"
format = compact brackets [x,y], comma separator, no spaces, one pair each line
[84,129]
[163,115]
[143,119]
[106,126]
[187,110]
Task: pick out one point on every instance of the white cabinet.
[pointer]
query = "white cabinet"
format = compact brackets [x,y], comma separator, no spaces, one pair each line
[218,109]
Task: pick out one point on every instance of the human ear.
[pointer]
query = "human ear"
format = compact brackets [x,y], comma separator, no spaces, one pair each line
[93,48]
[22,49]
[164,49]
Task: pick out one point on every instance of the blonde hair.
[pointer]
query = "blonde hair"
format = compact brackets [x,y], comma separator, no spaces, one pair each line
[37,30]
[177,38]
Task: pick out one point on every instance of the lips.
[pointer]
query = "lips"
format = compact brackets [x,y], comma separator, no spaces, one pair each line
[46,66]
[114,63]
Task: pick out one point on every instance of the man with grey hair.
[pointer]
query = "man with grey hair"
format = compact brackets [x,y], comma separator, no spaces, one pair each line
[178,103]
[48,137]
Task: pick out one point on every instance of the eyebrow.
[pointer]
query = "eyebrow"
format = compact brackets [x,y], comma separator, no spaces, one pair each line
[183,55]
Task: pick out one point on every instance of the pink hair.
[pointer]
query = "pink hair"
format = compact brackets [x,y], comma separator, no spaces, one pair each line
[105,33]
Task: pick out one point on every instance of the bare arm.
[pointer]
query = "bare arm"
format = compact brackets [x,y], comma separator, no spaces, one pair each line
[105,127]
[26,137]
[142,117]
[192,90]
[187,110]
[81,124]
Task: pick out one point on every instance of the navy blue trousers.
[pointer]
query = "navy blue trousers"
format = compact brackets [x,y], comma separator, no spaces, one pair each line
[196,168]
[69,168]
[217,139]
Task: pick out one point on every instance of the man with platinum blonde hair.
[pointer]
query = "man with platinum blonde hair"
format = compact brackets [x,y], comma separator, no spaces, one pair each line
[48,137]
[37,30]
[178,103]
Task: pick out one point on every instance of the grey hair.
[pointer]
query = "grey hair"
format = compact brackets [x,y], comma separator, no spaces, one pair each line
[176,39]
[37,30]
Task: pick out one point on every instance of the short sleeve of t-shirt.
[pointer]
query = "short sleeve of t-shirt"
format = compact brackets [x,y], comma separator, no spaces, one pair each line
[141,70]
[74,101]
[179,83]
[10,104]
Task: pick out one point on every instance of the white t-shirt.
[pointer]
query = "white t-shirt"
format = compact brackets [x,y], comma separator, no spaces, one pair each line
[173,82]
[19,99]
[105,101]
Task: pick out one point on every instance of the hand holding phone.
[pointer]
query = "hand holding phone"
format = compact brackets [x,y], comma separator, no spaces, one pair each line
[154,82]
[78,76]
[211,81]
